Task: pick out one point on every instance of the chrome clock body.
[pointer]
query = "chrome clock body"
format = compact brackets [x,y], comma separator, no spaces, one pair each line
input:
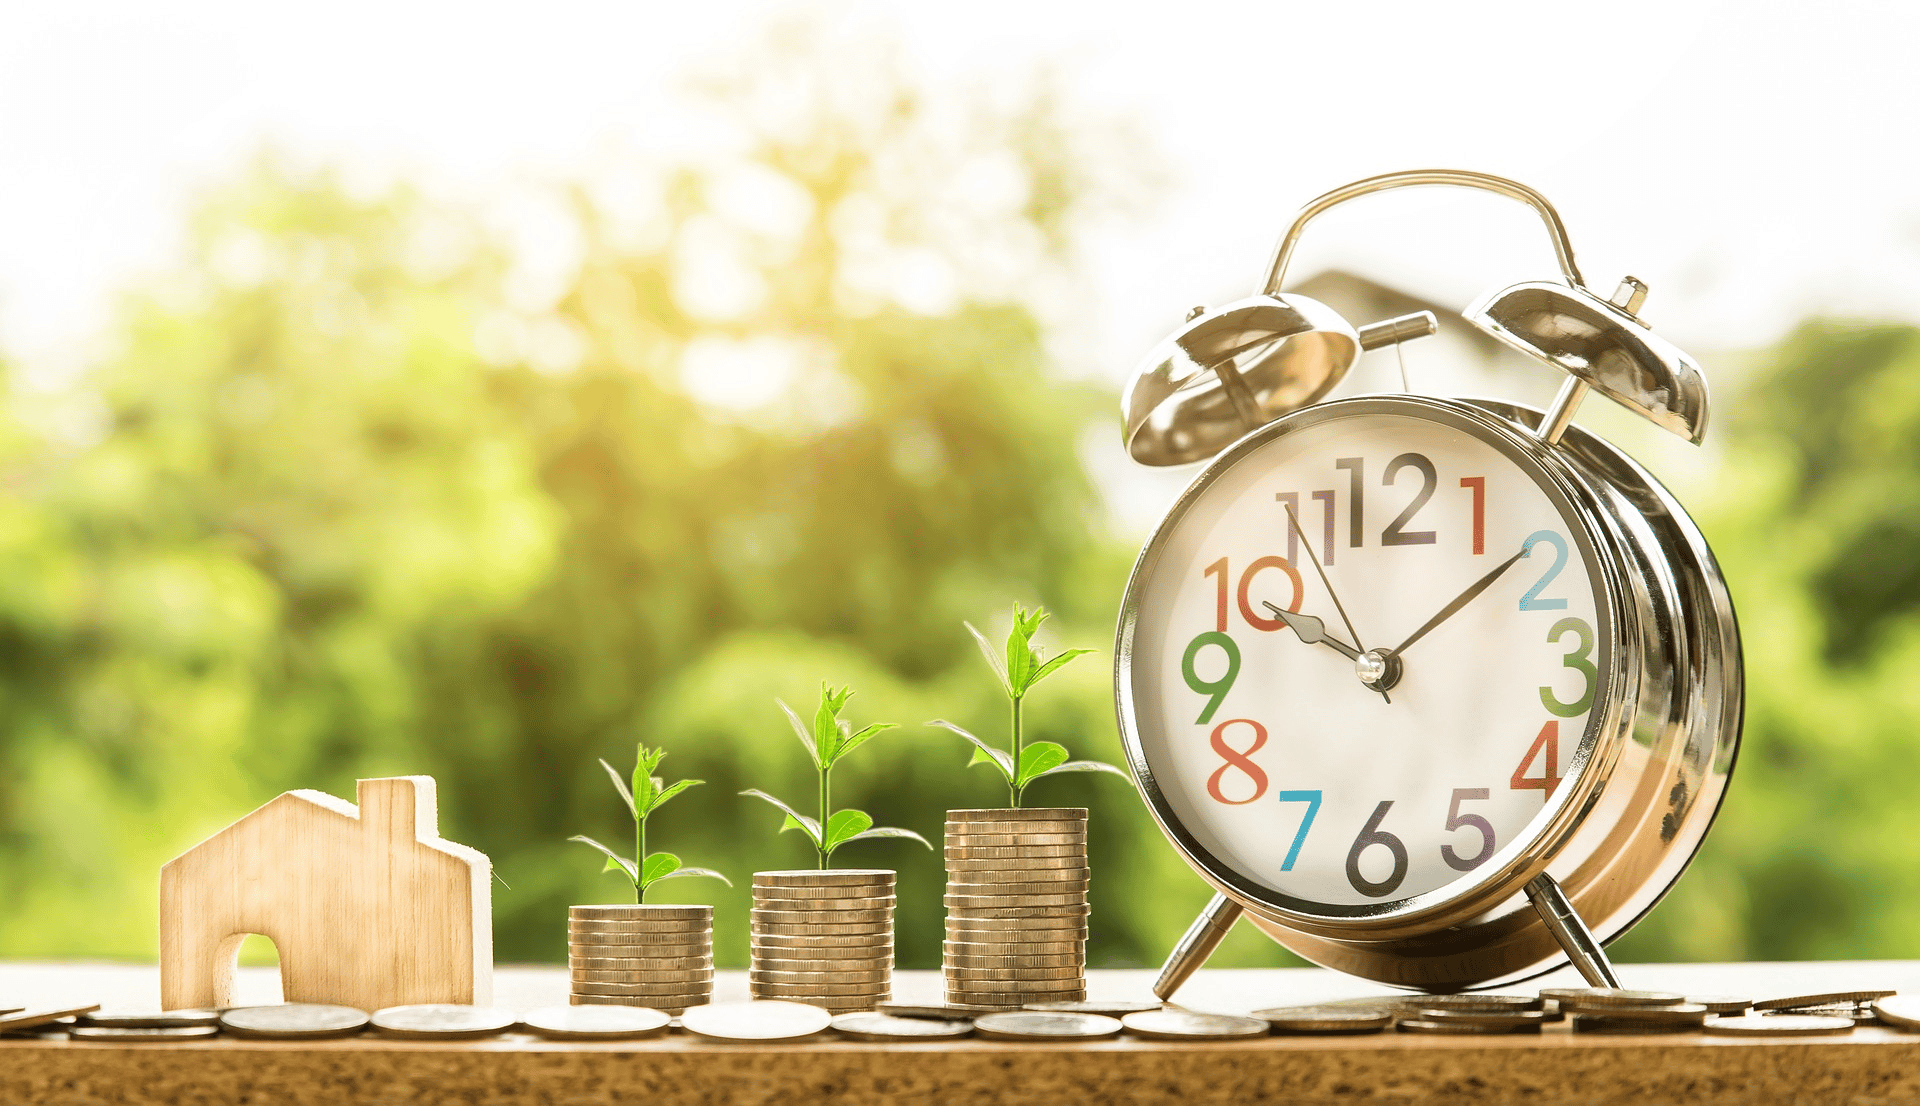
[1641,784]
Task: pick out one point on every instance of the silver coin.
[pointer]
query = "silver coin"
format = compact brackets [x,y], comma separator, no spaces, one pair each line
[885,1027]
[1796,1002]
[640,913]
[1328,1018]
[443,1021]
[1037,1025]
[1482,1017]
[1901,1011]
[1165,1024]
[1778,1025]
[150,1019]
[1578,998]
[1723,1004]
[124,1033]
[596,1023]
[1462,1028]
[830,877]
[936,1010]
[294,1021]
[756,1021]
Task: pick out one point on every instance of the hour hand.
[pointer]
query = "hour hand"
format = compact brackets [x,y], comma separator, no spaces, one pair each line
[1311,630]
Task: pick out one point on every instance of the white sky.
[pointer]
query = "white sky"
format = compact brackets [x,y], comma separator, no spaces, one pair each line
[1753,162]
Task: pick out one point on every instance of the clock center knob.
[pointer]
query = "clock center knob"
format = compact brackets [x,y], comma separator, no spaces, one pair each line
[1379,669]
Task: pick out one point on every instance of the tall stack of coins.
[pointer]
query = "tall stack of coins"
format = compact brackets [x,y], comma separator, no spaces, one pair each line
[657,956]
[823,937]
[1016,906]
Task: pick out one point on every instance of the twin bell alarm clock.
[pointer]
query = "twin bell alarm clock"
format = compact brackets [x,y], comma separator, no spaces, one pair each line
[1440,692]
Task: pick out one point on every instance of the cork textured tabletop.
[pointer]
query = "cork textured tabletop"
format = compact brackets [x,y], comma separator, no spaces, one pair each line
[1874,1064]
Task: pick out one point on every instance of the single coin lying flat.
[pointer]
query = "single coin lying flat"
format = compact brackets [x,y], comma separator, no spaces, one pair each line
[1456,1028]
[443,1021]
[1899,1011]
[947,1011]
[1112,1008]
[125,1033]
[1508,1018]
[32,1017]
[1038,1025]
[887,1027]
[1831,998]
[1188,1025]
[1778,1025]
[1471,1002]
[597,1023]
[761,1020]
[1329,1018]
[1723,1004]
[150,1019]
[1581,998]
[294,1021]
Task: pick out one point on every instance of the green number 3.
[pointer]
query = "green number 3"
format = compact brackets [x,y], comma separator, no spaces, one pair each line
[1575,659]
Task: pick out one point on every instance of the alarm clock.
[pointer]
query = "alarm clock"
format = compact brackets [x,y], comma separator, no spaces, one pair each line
[1440,692]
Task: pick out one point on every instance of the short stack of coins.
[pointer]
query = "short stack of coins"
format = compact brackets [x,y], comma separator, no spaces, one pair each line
[657,956]
[823,937]
[1016,906]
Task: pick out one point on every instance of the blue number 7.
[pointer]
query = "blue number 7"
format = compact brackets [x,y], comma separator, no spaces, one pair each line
[1312,799]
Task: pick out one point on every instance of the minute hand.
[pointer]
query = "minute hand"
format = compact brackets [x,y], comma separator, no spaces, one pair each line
[1465,597]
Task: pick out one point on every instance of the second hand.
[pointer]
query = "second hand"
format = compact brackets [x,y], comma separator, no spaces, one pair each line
[1328,584]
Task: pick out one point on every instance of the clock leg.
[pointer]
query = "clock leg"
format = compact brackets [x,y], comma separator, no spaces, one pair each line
[1196,944]
[1572,933]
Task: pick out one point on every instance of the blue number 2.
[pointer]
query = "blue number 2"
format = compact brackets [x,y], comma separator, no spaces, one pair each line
[1312,799]
[1532,601]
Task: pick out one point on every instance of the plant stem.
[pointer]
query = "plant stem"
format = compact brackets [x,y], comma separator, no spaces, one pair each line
[826,783]
[640,859]
[1019,744]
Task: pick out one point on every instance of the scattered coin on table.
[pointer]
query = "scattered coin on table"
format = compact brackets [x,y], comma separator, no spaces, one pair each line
[1683,1013]
[887,1027]
[1723,1004]
[120,1034]
[937,1010]
[1038,1025]
[1471,1002]
[1593,998]
[32,1017]
[1510,1018]
[1832,998]
[1899,1011]
[596,1023]
[1778,1025]
[294,1021]
[1464,1028]
[150,1019]
[1112,1008]
[1189,1025]
[1346,1017]
[761,1020]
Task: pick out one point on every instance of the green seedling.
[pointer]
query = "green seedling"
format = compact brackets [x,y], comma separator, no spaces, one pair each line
[648,794]
[827,742]
[1023,762]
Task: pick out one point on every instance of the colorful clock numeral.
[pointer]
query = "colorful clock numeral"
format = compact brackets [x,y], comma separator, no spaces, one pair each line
[1478,486]
[1215,690]
[1546,748]
[1219,571]
[1532,601]
[1312,799]
[1372,835]
[1457,820]
[1396,532]
[1576,659]
[1240,760]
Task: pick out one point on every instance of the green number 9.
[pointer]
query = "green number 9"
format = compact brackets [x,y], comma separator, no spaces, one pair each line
[1216,690]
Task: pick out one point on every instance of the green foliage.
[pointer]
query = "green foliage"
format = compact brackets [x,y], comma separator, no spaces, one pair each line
[648,794]
[1022,763]
[827,741]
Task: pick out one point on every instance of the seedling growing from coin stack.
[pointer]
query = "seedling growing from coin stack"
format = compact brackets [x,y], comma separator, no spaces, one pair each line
[1021,762]
[827,741]
[648,794]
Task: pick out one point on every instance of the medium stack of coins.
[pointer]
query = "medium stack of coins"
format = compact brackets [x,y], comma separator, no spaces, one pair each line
[1016,906]
[823,937]
[657,956]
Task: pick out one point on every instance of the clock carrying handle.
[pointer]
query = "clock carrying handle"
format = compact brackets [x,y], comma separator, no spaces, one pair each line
[1462,178]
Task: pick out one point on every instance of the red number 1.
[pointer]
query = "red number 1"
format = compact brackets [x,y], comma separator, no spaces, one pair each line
[1478,484]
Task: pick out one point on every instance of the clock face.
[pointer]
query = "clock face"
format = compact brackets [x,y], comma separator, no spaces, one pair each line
[1287,771]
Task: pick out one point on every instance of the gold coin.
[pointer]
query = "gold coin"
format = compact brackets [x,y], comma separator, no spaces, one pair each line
[1177,1025]
[1076,853]
[1460,1029]
[1022,840]
[784,964]
[1480,1017]
[871,918]
[1832,998]
[1723,1004]
[642,954]
[838,976]
[995,902]
[1018,912]
[1470,1002]
[1028,1025]
[1035,990]
[1043,887]
[876,991]
[644,964]
[641,990]
[1597,997]
[1031,960]
[690,975]
[674,930]
[638,913]
[810,877]
[823,905]
[796,929]
[1033,929]
[825,941]
[762,1022]
[596,1022]
[1024,870]
[1327,1018]
[1029,973]
[1019,814]
[1685,1013]
[668,1003]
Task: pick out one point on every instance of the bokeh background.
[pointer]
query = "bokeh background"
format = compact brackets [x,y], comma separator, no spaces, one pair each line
[473,390]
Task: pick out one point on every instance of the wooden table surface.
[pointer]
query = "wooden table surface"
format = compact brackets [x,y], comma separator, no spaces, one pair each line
[1871,1065]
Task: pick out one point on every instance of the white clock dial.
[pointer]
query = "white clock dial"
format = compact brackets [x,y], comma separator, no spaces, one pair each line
[1273,754]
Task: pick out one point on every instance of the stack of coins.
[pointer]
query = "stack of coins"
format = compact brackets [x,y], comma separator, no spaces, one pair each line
[823,937]
[657,956]
[1016,906]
